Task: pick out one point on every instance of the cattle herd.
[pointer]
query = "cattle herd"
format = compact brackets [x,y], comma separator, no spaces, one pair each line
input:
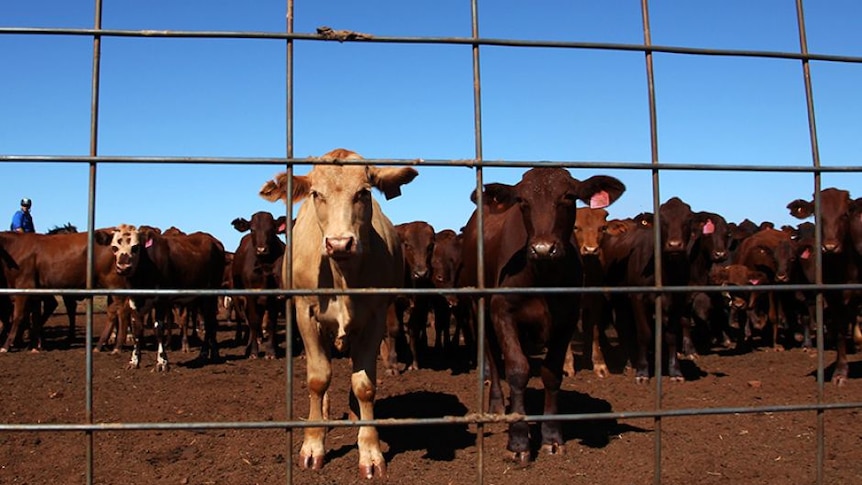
[533,237]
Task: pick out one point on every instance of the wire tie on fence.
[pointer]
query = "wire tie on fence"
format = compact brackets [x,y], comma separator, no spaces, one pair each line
[341,35]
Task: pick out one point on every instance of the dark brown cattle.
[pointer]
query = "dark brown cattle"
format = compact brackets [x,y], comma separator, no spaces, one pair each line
[31,260]
[450,311]
[343,240]
[772,252]
[257,265]
[409,316]
[840,265]
[708,247]
[739,302]
[149,260]
[528,244]
[630,261]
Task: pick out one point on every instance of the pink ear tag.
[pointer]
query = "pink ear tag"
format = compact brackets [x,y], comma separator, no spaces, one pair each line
[282,227]
[754,282]
[600,200]
[148,243]
[805,254]
[709,227]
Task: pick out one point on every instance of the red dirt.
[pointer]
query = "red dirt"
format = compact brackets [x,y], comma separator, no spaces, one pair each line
[763,448]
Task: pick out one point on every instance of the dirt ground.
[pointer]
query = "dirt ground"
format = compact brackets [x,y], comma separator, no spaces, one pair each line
[762,448]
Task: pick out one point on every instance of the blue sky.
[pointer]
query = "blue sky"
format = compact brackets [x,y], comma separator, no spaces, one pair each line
[226,98]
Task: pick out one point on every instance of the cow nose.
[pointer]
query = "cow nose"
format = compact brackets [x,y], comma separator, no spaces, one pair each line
[830,248]
[674,244]
[262,250]
[719,255]
[589,250]
[782,277]
[339,245]
[420,273]
[544,249]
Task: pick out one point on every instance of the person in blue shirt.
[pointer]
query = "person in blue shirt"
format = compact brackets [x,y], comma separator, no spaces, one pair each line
[22,221]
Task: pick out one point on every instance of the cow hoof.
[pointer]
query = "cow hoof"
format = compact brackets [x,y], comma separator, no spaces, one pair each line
[391,372]
[311,462]
[641,380]
[601,371]
[3,350]
[35,351]
[677,379]
[372,470]
[520,458]
[115,351]
[269,357]
[568,371]
[839,380]
[778,348]
[553,449]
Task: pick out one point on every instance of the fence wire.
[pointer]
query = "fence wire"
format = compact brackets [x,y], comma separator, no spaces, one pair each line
[478,417]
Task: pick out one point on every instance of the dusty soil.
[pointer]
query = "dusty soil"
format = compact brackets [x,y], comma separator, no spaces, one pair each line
[762,448]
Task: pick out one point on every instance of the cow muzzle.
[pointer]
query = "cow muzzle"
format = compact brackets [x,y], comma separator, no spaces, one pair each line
[544,250]
[340,247]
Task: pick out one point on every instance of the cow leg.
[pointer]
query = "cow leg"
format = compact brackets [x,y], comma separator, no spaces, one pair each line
[388,352]
[111,322]
[253,314]
[517,369]
[18,312]
[592,311]
[363,387]
[138,333]
[558,345]
[208,307]
[269,323]
[318,378]
[644,338]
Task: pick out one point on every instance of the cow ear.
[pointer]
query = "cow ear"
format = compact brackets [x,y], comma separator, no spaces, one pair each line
[390,179]
[615,228]
[103,237]
[276,189]
[281,225]
[497,197]
[600,191]
[240,224]
[801,209]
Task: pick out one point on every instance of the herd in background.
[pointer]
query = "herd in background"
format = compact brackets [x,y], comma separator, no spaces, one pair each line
[534,237]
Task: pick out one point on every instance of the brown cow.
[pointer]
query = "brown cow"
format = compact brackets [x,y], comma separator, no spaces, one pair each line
[343,240]
[590,227]
[149,260]
[446,264]
[409,315]
[840,265]
[528,243]
[257,265]
[29,260]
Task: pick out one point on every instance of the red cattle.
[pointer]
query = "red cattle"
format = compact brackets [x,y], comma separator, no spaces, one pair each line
[149,260]
[342,241]
[773,252]
[840,265]
[29,260]
[257,265]
[709,246]
[528,244]
[738,302]
[590,228]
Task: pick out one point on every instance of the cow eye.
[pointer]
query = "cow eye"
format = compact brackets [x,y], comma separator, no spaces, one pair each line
[115,249]
[604,229]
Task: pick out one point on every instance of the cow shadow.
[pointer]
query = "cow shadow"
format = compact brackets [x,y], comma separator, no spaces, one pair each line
[592,433]
[854,371]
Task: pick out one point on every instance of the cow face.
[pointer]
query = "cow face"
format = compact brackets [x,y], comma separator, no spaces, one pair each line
[835,205]
[125,243]
[676,219]
[591,225]
[546,199]
[446,261]
[714,235]
[737,275]
[264,230]
[341,195]
[417,244]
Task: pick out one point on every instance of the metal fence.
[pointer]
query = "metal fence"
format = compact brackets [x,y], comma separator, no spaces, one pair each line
[478,418]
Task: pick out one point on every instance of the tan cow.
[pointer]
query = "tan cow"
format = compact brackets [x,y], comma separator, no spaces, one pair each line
[343,240]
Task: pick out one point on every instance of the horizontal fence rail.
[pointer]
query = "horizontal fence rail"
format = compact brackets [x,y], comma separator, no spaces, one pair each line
[475,42]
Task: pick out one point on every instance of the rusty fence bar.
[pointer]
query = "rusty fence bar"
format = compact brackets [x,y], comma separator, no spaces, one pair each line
[478,418]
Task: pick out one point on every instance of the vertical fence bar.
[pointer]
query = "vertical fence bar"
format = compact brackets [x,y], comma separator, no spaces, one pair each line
[287,261]
[91,218]
[656,202]
[480,246]
[815,158]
